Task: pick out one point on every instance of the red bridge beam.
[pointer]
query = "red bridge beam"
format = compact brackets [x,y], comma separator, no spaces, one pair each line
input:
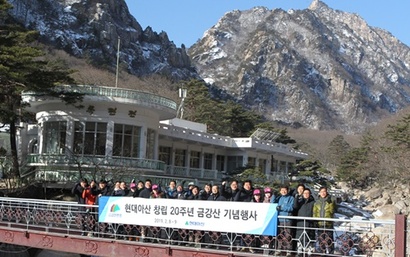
[102,246]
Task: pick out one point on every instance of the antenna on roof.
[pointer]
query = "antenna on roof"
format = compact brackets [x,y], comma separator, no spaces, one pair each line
[182,94]
[118,62]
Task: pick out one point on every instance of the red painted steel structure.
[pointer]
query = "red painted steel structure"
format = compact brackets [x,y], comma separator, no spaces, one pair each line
[102,246]
[58,226]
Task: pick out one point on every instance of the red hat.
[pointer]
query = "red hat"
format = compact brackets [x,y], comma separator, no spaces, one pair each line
[267,190]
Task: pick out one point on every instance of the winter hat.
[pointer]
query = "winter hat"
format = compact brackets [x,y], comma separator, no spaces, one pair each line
[256,192]
[155,186]
[267,190]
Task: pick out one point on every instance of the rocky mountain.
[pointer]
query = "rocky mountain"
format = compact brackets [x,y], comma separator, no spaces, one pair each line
[91,29]
[320,67]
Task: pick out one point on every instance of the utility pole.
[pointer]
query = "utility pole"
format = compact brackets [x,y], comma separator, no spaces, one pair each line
[118,62]
[182,94]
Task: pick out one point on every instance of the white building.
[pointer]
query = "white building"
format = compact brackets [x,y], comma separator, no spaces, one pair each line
[124,134]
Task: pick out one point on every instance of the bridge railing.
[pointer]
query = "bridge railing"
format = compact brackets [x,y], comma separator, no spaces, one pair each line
[304,236]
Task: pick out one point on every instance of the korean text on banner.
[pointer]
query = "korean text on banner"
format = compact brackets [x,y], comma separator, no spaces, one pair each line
[235,217]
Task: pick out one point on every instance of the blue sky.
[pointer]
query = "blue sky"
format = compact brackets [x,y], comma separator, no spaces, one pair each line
[185,21]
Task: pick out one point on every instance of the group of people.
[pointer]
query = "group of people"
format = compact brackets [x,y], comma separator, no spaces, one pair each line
[299,202]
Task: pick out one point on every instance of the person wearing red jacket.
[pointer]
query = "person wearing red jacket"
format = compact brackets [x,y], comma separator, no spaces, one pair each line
[89,199]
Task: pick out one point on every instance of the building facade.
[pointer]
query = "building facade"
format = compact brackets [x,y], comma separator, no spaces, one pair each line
[124,134]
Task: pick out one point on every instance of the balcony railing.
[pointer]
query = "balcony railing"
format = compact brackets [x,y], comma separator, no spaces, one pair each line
[64,168]
[92,160]
[193,173]
[347,237]
[116,92]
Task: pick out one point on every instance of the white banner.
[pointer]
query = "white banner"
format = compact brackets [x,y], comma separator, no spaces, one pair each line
[235,217]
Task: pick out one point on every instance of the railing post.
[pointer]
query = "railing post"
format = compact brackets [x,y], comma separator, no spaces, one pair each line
[400,235]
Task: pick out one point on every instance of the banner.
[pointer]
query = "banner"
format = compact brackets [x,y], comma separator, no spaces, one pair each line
[220,216]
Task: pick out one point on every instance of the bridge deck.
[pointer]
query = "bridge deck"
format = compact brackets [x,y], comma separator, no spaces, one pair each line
[65,226]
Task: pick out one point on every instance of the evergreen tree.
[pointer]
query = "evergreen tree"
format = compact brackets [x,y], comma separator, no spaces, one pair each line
[222,118]
[356,166]
[22,68]
[400,133]
[338,147]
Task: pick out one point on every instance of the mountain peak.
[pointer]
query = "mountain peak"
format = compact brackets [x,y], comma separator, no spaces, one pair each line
[317,67]
[316,5]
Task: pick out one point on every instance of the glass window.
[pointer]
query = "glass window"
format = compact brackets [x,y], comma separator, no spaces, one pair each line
[90,138]
[251,162]
[194,161]
[220,162]
[234,162]
[262,165]
[208,161]
[126,140]
[180,157]
[150,154]
[54,136]
[165,154]
[274,165]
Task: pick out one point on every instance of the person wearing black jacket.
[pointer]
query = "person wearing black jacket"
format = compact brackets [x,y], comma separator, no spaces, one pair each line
[146,192]
[214,238]
[195,194]
[229,192]
[78,189]
[101,190]
[304,208]
[245,194]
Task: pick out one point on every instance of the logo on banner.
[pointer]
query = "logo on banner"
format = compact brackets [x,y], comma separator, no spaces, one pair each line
[114,211]
[195,223]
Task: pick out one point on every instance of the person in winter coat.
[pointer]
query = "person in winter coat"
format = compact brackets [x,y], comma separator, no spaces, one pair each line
[285,208]
[245,193]
[195,194]
[205,192]
[180,193]
[214,237]
[194,236]
[157,192]
[324,207]
[268,195]
[90,200]
[171,191]
[78,189]
[229,192]
[101,190]
[257,196]
[304,208]
[298,194]
[146,192]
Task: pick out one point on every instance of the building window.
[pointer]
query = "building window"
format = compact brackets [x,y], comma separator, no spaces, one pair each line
[251,162]
[208,161]
[90,138]
[194,161]
[220,162]
[165,154]
[54,135]
[274,165]
[180,157]
[150,154]
[262,165]
[126,140]
[234,162]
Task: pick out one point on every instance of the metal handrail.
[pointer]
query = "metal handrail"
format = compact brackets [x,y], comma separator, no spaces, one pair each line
[350,237]
[113,92]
